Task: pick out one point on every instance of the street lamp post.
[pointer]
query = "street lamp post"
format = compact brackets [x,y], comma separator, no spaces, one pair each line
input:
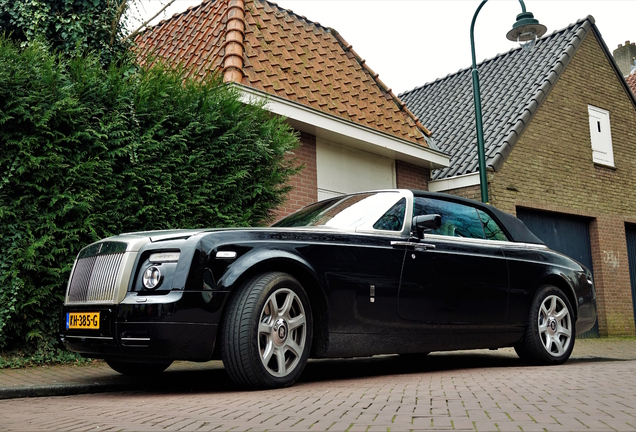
[525,29]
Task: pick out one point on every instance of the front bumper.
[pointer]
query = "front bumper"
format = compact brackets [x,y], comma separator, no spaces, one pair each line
[173,330]
[138,341]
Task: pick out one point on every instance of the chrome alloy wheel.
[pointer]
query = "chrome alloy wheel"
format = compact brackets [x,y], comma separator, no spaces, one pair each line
[282,332]
[555,325]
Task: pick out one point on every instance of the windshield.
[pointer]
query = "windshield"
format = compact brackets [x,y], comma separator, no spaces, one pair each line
[345,212]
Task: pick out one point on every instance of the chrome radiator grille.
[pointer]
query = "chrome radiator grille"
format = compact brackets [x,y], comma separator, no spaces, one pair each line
[96,273]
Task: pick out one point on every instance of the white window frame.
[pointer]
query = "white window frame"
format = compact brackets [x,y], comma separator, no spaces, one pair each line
[601,136]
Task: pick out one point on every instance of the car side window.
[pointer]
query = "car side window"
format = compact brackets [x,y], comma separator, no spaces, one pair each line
[393,219]
[491,229]
[458,220]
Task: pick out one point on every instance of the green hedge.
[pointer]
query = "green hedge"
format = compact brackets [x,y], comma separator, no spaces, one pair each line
[70,25]
[86,153]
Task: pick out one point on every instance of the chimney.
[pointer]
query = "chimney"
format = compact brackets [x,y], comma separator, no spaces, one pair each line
[624,56]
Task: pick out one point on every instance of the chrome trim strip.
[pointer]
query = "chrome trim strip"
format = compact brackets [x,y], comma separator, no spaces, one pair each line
[494,243]
[513,245]
[133,242]
[90,337]
[133,298]
[424,246]
[135,339]
[68,285]
[125,272]
[416,246]
[402,243]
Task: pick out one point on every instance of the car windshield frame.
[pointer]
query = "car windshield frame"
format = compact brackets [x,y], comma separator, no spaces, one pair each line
[359,213]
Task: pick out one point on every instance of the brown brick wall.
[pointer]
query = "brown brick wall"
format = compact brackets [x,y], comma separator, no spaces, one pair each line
[409,176]
[551,168]
[304,184]
[609,248]
[471,192]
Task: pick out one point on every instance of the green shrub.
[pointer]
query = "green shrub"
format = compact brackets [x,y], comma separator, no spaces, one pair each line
[69,25]
[88,152]
[43,351]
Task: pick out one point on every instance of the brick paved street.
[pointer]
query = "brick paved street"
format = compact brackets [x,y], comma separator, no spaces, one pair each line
[468,390]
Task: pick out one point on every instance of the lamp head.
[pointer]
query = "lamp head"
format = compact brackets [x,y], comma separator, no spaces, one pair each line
[526,29]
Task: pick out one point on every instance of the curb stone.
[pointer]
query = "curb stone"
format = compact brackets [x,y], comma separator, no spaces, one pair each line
[60,380]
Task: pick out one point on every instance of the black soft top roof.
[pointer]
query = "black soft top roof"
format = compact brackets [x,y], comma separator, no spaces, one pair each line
[514,227]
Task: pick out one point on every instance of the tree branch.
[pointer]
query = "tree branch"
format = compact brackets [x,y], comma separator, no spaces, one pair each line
[133,34]
[113,25]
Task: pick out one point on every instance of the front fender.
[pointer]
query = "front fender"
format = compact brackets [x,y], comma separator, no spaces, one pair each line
[255,262]
[263,260]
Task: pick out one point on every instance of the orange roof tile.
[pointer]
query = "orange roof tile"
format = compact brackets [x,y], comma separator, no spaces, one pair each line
[631,82]
[258,44]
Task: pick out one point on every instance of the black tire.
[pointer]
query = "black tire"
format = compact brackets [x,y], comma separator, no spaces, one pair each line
[522,351]
[262,344]
[550,333]
[138,368]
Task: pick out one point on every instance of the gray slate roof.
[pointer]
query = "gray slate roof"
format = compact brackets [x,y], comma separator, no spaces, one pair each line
[513,85]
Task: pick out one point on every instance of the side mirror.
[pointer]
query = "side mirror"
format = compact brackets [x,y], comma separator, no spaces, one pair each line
[424,223]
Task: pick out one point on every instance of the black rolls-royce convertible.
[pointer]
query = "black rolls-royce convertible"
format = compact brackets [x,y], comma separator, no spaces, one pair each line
[396,271]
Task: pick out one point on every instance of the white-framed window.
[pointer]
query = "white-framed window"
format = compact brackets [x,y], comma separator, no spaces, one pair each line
[601,136]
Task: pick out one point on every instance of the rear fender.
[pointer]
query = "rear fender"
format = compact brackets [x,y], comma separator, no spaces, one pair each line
[564,283]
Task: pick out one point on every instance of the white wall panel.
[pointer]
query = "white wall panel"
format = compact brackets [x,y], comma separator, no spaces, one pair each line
[344,170]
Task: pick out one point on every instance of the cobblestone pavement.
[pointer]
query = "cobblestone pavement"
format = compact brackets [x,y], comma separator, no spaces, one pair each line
[467,390]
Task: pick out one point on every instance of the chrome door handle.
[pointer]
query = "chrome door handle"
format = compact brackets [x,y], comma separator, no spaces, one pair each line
[424,246]
[401,243]
[416,246]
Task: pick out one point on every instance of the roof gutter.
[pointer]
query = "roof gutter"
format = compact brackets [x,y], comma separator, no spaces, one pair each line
[457,182]
[342,131]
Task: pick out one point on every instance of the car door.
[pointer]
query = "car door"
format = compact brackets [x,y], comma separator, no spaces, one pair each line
[457,274]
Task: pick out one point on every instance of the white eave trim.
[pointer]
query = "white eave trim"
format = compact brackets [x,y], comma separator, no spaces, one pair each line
[346,132]
[454,182]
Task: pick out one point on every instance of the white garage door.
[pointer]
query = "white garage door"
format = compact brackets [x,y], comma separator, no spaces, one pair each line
[344,170]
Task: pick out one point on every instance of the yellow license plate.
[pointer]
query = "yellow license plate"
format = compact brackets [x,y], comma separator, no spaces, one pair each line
[82,320]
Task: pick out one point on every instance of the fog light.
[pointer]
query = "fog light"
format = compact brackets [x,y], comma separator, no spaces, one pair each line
[152,277]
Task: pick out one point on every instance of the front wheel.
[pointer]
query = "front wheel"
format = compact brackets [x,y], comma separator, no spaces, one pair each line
[266,332]
[550,333]
[138,369]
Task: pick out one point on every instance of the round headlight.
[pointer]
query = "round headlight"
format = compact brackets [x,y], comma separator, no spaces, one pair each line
[152,277]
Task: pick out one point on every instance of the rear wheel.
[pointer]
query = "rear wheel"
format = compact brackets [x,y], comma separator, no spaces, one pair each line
[550,333]
[138,369]
[266,332]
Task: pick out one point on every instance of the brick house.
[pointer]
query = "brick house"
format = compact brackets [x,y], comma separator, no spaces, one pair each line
[555,157]
[355,133]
